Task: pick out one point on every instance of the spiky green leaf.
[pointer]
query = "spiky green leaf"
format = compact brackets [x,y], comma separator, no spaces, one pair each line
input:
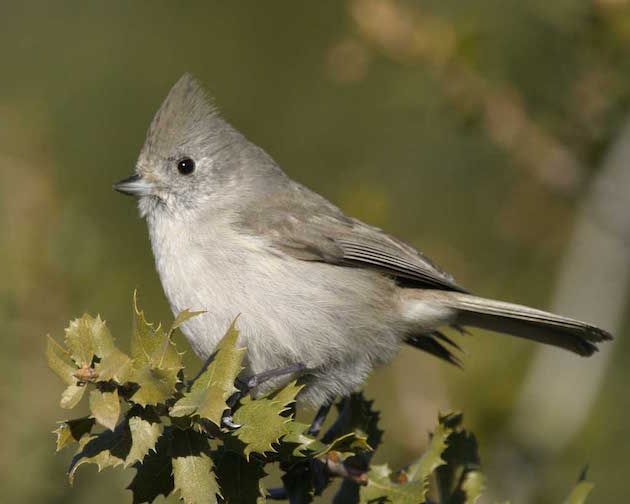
[431,459]
[115,366]
[380,488]
[71,431]
[154,476]
[193,469]
[262,420]
[155,385]
[472,486]
[156,362]
[182,317]
[105,407]
[580,491]
[87,337]
[60,361]
[145,428]
[71,396]
[208,395]
[240,479]
[459,481]
[107,449]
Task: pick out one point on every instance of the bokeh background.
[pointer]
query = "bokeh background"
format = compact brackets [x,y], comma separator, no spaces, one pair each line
[493,135]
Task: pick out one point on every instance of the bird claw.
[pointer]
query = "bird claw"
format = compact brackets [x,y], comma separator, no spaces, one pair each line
[228,422]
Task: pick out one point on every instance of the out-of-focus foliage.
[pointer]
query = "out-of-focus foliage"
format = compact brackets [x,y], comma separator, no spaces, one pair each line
[179,442]
[469,129]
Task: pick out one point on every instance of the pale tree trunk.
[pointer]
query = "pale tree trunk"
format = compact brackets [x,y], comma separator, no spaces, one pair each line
[593,285]
[560,389]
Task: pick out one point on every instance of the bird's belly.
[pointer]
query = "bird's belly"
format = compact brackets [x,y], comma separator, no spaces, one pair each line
[288,310]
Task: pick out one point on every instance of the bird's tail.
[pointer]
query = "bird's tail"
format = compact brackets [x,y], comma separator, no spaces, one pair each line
[518,320]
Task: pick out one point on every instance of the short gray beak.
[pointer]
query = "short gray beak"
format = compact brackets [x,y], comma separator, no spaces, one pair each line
[134,186]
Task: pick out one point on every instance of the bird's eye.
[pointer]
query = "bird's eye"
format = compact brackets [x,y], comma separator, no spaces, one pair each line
[186,166]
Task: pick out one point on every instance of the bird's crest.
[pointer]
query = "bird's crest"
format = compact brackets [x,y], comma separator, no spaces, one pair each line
[186,116]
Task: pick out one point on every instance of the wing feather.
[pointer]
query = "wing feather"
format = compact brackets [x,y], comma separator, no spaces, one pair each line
[305,226]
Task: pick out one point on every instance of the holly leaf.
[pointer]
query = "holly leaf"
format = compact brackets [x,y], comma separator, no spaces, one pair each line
[152,346]
[107,449]
[115,366]
[240,479]
[356,415]
[193,469]
[155,385]
[87,337]
[208,394]
[472,486]
[182,317]
[71,431]
[298,484]
[145,429]
[156,362]
[380,488]
[346,445]
[261,424]
[72,395]
[105,407]
[60,361]
[431,459]
[297,435]
[262,421]
[460,480]
[581,491]
[154,476]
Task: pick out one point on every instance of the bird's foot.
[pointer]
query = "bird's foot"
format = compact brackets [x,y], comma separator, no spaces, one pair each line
[245,385]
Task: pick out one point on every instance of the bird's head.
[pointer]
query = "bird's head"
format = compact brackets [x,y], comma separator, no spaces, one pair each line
[191,157]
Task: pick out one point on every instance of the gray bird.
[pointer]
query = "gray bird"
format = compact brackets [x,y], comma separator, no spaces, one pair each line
[232,234]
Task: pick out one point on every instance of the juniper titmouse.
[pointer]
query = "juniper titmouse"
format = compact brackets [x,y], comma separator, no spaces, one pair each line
[232,234]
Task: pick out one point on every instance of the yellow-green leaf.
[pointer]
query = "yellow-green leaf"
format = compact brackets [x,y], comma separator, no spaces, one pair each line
[71,431]
[60,362]
[156,362]
[240,479]
[87,337]
[182,317]
[154,476]
[473,486]
[431,459]
[72,395]
[114,366]
[193,469]
[107,449]
[261,424]
[261,420]
[105,407]
[580,493]
[380,488]
[208,395]
[155,385]
[145,429]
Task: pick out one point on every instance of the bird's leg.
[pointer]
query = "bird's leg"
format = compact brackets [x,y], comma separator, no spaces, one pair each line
[318,421]
[245,385]
[341,424]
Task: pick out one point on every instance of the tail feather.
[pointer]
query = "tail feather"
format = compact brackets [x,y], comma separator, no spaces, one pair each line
[429,343]
[522,321]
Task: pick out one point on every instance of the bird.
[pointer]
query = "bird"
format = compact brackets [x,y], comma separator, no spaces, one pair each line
[317,293]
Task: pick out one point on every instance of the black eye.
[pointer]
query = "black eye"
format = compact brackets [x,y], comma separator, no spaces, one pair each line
[186,166]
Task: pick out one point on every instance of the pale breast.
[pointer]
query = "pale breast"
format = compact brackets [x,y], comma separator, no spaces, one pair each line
[289,310]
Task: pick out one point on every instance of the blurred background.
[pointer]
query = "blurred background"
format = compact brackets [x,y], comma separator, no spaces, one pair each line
[493,135]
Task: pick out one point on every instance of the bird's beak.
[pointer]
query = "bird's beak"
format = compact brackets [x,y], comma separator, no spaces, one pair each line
[134,186]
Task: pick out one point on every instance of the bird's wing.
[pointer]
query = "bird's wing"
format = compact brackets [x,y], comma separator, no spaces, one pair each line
[306,226]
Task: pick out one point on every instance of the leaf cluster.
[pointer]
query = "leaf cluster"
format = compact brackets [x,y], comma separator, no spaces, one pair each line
[174,432]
